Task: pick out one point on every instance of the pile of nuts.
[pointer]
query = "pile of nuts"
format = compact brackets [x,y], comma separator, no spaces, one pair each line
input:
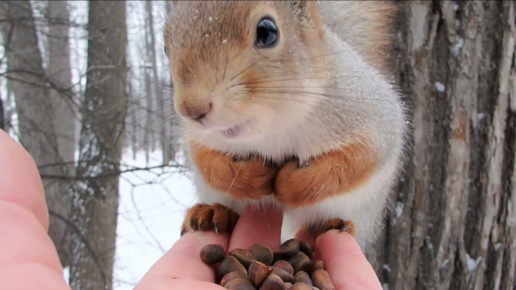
[290,268]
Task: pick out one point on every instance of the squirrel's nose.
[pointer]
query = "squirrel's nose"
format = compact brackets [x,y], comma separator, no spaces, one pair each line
[198,112]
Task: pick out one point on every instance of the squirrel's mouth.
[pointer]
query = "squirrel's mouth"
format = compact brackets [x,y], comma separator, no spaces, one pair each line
[231,132]
[236,130]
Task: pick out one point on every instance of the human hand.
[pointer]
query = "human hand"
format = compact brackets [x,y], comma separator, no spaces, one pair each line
[28,258]
[27,251]
[182,268]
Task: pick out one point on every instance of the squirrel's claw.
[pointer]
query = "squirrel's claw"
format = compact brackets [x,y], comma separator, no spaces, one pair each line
[318,229]
[204,217]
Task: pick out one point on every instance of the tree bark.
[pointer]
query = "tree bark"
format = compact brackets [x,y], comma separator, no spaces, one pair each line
[454,226]
[63,103]
[95,205]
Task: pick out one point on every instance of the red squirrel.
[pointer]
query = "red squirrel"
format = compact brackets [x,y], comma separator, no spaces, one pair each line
[290,104]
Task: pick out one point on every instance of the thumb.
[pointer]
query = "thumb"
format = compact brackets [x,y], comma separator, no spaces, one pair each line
[346,263]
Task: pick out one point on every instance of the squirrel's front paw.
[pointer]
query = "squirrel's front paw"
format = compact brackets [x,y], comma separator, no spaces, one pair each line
[330,174]
[297,186]
[317,229]
[242,179]
[204,217]
[250,178]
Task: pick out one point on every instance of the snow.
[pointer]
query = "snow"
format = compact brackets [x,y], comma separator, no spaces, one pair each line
[387,268]
[429,243]
[152,206]
[440,87]
[480,116]
[459,43]
[151,211]
[472,263]
[399,209]
[445,263]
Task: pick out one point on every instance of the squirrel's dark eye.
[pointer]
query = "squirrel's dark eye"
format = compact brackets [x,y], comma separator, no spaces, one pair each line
[266,33]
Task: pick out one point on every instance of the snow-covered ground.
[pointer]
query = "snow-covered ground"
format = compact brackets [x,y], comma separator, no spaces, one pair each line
[152,206]
[151,210]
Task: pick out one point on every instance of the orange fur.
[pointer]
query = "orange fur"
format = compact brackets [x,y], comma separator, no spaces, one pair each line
[251,179]
[188,54]
[330,174]
[203,217]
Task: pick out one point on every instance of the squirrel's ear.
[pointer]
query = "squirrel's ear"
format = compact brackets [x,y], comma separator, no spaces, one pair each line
[298,4]
[169,4]
[307,10]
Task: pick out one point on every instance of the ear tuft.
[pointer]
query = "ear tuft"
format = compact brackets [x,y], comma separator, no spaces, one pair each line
[299,4]
[307,11]
[299,7]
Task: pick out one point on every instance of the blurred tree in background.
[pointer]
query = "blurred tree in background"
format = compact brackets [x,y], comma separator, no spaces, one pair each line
[104,108]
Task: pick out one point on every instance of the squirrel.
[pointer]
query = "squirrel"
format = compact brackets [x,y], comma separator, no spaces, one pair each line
[290,104]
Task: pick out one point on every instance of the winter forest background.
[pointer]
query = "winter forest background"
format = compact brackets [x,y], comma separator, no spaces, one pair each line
[84,86]
[53,110]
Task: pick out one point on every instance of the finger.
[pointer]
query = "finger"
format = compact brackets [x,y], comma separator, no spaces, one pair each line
[257,225]
[183,260]
[23,239]
[31,276]
[27,251]
[19,179]
[345,262]
[174,284]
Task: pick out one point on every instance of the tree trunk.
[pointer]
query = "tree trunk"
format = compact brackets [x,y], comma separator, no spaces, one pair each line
[29,84]
[163,120]
[63,103]
[95,205]
[132,119]
[169,111]
[454,226]
[148,133]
